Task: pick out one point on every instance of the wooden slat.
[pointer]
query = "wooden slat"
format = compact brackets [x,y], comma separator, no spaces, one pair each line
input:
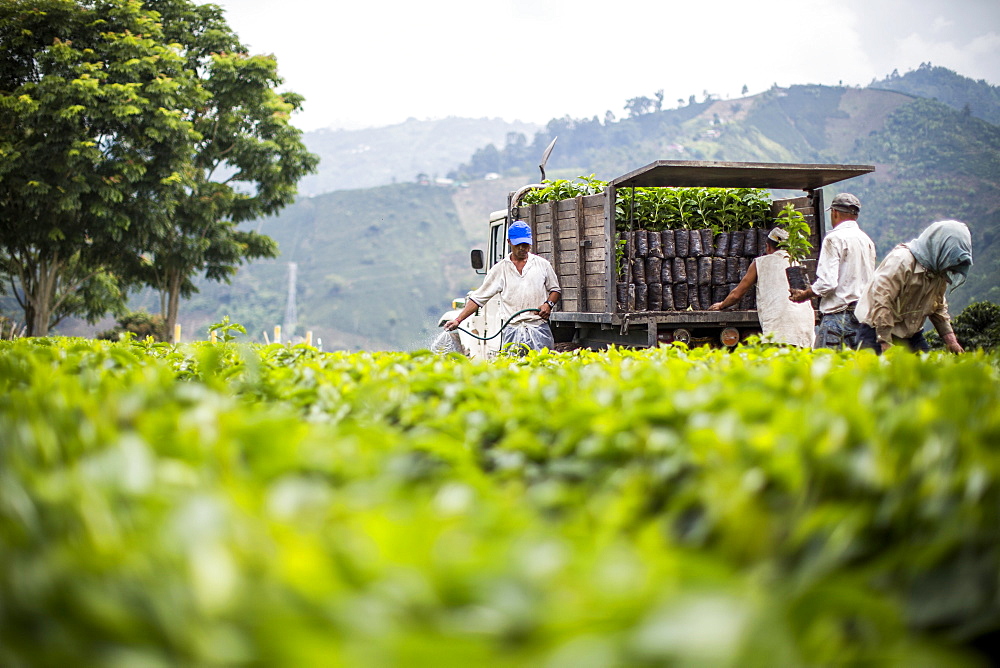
[569,250]
[541,214]
[567,205]
[564,269]
[573,215]
[593,281]
[595,302]
[606,302]
[579,249]
[590,202]
[570,292]
[532,223]
[779,204]
[555,232]
[569,245]
[593,205]
[570,274]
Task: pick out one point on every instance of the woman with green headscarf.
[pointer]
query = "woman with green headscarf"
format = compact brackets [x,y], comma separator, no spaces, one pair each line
[910,286]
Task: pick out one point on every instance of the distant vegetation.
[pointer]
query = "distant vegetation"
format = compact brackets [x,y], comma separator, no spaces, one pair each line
[978,326]
[975,98]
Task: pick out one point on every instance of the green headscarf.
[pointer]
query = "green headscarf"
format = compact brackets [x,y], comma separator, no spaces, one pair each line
[945,247]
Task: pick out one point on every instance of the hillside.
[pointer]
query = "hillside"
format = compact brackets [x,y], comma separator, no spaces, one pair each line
[376,268]
[936,163]
[978,98]
[351,159]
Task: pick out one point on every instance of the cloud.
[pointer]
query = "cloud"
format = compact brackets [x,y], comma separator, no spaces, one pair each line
[369,64]
[940,23]
[979,58]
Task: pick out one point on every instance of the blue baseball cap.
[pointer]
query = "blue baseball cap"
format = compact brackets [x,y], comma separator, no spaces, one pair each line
[519,233]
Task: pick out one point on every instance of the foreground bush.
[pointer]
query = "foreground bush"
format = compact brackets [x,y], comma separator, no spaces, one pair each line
[230,504]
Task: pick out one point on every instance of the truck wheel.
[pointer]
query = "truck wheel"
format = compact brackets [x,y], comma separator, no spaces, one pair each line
[729,337]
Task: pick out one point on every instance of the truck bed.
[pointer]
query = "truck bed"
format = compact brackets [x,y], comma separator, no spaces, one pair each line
[720,318]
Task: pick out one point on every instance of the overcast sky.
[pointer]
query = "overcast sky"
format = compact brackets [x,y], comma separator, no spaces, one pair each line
[376,63]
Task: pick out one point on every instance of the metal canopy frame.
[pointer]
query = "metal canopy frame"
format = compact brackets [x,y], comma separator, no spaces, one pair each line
[784,176]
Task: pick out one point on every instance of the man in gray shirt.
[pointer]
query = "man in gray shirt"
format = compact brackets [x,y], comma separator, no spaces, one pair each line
[846,265]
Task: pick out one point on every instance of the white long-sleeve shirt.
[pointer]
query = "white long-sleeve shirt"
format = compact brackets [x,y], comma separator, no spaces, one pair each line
[518,290]
[846,265]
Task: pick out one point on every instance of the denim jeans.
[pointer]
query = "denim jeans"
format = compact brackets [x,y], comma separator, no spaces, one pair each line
[838,330]
[869,339]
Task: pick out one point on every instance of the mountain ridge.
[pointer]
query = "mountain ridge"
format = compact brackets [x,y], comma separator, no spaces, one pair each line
[372,157]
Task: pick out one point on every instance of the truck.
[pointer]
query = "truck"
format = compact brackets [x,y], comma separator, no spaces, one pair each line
[582,239]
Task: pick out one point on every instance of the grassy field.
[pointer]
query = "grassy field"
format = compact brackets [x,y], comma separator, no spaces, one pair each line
[229,504]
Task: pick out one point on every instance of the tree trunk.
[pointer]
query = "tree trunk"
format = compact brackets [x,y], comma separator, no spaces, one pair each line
[173,302]
[38,294]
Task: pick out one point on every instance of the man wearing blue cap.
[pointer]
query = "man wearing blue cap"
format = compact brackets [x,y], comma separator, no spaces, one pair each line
[524,281]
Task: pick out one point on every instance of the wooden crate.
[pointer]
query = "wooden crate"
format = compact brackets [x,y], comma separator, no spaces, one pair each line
[572,235]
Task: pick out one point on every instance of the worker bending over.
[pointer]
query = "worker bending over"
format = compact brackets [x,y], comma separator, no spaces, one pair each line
[910,286]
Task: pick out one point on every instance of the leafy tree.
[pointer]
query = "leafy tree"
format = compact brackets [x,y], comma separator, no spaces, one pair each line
[92,146]
[977,326]
[247,162]
[485,160]
[139,323]
[637,106]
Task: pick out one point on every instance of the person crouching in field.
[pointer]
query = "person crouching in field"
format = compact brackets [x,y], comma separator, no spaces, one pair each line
[781,320]
[910,285]
[524,281]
